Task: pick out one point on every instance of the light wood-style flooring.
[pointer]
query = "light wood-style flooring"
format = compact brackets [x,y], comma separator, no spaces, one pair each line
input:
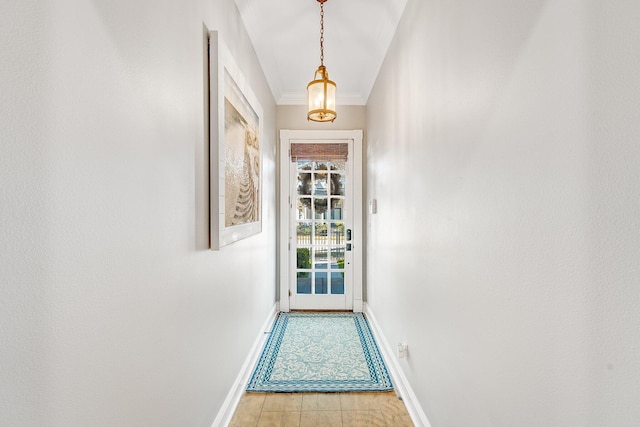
[379,409]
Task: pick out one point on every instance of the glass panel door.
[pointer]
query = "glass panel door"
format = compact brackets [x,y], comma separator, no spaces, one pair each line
[320,229]
[320,207]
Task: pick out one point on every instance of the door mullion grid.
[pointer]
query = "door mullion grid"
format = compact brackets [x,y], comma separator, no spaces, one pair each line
[315,243]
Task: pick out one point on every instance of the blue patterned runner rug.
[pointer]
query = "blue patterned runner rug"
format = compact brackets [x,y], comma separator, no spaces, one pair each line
[320,352]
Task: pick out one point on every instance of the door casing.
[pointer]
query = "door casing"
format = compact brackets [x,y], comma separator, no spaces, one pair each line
[286,136]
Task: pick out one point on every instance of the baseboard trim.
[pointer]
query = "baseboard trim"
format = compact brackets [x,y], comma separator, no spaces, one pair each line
[237,389]
[400,382]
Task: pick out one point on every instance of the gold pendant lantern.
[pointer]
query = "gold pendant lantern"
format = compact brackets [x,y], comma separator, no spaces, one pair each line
[321,92]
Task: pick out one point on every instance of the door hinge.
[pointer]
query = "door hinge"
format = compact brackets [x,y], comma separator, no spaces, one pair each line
[290,294]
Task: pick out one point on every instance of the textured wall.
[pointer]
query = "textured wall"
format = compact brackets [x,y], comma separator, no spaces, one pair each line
[113,312]
[503,152]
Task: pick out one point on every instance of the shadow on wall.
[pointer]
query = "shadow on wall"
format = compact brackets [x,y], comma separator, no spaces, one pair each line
[201,157]
[456,103]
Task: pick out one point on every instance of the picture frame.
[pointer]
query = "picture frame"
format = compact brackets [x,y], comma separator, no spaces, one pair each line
[235,151]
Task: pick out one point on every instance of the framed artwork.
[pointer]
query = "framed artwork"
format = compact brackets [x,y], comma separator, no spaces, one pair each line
[235,150]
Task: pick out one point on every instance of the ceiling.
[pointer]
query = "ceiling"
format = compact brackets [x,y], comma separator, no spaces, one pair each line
[286,37]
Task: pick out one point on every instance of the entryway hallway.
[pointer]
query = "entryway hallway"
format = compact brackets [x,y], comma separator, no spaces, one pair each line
[501,209]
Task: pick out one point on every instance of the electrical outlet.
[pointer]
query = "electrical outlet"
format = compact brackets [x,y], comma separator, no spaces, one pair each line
[403,350]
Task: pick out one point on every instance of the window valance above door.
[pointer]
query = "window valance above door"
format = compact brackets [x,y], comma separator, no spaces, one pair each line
[324,151]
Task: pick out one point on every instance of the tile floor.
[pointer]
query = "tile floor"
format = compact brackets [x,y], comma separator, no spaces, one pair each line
[379,409]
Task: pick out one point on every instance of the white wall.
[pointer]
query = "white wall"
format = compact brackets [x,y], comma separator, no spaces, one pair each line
[113,312]
[503,151]
[295,117]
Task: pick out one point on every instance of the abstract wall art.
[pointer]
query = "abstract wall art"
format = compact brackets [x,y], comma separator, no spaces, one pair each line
[235,150]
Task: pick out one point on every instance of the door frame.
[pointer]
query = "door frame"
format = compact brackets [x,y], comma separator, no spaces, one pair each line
[286,136]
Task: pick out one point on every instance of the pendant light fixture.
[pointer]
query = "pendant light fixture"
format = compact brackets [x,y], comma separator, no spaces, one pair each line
[321,92]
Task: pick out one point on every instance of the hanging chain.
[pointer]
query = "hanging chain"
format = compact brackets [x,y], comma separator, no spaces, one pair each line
[322,33]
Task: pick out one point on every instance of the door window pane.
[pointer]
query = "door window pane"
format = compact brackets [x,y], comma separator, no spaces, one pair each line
[337,184]
[323,166]
[337,234]
[320,258]
[303,285]
[320,236]
[303,233]
[337,258]
[304,165]
[337,165]
[322,287]
[336,208]
[304,184]
[320,184]
[320,206]
[303,258]
[304,208]
[337,283]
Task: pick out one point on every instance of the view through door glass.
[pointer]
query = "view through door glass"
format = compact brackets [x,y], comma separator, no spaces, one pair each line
[320,231]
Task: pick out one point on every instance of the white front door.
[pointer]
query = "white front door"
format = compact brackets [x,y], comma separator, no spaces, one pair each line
[322,269]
